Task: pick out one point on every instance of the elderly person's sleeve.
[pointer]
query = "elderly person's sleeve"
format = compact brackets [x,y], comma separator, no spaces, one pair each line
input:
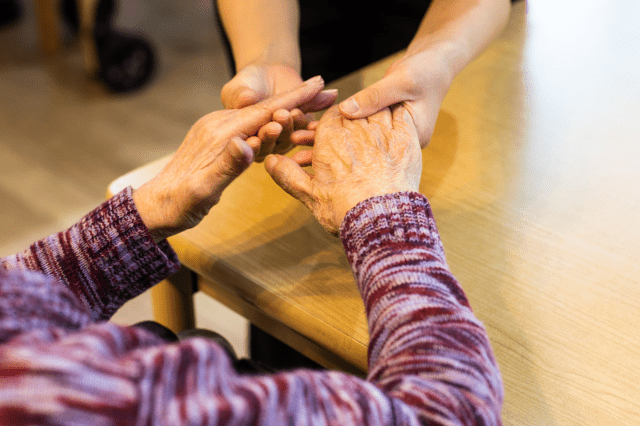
[430,361]
[105,259]
[427,350]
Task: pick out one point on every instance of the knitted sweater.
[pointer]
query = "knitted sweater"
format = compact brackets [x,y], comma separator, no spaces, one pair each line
[430,361]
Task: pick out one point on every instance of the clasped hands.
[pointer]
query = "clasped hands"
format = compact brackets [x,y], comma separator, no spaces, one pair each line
[352,160]
[418,81]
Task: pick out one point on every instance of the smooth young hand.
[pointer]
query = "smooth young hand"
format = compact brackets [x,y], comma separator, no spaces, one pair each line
[418,81]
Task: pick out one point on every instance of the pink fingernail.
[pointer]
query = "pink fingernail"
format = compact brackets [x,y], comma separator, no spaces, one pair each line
[350,106]
[314,80]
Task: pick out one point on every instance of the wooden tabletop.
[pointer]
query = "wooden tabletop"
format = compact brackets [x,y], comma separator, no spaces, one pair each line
[534,178]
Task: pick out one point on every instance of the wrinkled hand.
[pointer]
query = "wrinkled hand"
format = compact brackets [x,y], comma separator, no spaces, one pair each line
[352,160]
[418,81]
[219,147]
[257,82]
[287,129]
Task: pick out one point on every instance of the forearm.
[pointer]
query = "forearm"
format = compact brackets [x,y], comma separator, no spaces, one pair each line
[105,259]
[459,30]
[425,341]
[262,31]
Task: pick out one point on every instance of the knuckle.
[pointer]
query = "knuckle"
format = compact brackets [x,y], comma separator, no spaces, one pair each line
[263,108]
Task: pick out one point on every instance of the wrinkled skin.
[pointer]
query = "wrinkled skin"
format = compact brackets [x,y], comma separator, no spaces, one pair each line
[217,149]
[352,160]
[257,82]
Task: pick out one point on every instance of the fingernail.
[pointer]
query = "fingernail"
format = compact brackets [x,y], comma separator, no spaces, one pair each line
[244,151]
[314,80]
[350,106]
[270,162]
[329,91]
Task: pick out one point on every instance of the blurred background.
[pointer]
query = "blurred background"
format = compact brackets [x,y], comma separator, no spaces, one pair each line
[64,136]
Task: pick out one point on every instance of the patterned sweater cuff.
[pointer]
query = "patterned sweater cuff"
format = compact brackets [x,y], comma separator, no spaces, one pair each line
[396,221]
[122,249]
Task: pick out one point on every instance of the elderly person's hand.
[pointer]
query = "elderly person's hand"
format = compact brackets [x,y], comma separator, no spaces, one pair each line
[259,81]
[352,160]
[219,147]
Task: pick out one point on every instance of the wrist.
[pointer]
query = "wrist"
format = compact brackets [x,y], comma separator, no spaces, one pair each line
[278,54]
[150,212]
[442,60]
[349,201]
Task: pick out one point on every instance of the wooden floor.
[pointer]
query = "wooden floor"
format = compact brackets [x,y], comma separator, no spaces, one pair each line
[63,138]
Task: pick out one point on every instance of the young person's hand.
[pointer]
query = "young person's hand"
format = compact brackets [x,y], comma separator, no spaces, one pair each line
[417,81]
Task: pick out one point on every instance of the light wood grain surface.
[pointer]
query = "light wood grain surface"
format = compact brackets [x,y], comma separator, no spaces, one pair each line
[533,175]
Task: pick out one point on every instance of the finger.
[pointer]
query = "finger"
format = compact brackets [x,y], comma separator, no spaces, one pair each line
[285,119]
[300,119]
[258,115]
[237,94]
[290,177]
[247,87]
[313,125]
[323,100]
[234,159]
[303,137]
[255,143]
[268,135]
[403,121]
[303,158]
[245,97]
[382,118]
[331,118]
[311,117]
[386,92]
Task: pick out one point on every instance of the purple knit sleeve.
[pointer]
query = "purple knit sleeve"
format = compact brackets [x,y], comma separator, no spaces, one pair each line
[430,361]
[105,259]
[426,348]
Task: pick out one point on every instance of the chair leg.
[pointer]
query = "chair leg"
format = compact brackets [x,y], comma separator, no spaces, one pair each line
[47,15]
[87,14]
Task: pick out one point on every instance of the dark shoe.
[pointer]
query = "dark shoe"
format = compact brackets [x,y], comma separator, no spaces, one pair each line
[242,365]
[211,335]
[159,330]
[126,62]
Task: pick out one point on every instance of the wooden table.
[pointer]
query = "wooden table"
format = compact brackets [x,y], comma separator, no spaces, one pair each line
[534,178]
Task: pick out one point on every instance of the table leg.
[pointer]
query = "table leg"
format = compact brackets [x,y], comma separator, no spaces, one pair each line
[172,301]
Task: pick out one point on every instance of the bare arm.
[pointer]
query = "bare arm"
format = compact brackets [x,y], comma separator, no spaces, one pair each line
[262,31]
[451,34]
[460,29]
[264,39]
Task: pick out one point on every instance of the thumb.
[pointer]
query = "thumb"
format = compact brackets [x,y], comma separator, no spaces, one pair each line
[290,177]
[242,91]
[368,101]
[252,118]
[236,157]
